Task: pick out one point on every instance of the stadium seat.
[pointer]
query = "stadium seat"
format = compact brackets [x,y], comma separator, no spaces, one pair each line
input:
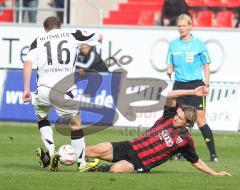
[195,3]
[124,14]
[161,2]
[121,21]
[231,3]
[204,18]
[213,3]
[134,13]
[224,19]
[5,15]
[146,18]
[139,6]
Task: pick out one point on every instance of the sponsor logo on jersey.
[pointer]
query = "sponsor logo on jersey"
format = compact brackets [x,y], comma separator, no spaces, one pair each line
[167,138]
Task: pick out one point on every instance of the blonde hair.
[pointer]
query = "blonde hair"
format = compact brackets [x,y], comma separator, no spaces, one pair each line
[190,114]
[184,17]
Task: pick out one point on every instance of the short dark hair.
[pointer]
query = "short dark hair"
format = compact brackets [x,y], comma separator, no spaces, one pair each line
[52,22]
[190,114]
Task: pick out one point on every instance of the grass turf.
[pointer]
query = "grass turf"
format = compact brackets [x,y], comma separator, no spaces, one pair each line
[19,168]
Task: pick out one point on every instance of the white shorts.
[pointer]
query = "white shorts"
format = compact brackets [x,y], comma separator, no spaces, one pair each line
[43,105]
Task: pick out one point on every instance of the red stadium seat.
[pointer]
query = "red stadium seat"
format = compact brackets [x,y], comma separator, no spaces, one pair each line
[224,19]
[124,14]
[195,3]
[120,21]
[231,3]
[161,2]
[213,3]
[146,18]
[135,13]
[204,18]
[139,6]
[5,15]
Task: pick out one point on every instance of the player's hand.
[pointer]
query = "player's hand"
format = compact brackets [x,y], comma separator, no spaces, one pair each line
[201,91]
[223,173]
[26,96]
[206,91]
[81,72]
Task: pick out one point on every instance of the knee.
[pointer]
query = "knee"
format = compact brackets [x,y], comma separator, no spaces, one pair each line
[75,123]
[42,118]
[118,168]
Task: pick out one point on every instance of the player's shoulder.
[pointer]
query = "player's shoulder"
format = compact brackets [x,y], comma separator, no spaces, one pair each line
[81,34]
[71,30]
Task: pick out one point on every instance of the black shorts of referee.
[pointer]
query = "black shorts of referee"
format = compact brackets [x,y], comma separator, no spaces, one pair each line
[196,101]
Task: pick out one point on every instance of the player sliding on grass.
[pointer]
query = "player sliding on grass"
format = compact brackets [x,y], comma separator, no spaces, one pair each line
[167,137]
[54,54]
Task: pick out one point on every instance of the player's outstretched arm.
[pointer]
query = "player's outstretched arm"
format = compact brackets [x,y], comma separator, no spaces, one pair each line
[27,71]
[202,166]
[172,95]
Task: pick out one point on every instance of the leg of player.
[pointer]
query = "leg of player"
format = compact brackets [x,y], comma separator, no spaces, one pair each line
[104,151]
[46,134]
[207,134]
[50,158]
[122,166]
[78,141]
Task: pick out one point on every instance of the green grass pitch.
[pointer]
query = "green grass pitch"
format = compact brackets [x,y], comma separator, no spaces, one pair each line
[19,167]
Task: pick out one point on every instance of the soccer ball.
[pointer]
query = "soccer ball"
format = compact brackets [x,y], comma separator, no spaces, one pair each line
[67,155]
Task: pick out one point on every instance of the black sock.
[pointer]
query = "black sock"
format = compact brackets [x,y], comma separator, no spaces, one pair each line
[208,138]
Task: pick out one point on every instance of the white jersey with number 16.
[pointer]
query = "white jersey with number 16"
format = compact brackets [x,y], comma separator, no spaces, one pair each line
[54,54]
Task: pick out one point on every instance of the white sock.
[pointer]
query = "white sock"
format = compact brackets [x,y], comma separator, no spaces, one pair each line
[79,147]
[47,138]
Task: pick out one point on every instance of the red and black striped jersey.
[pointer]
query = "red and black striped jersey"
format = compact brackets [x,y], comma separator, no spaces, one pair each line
[162,141]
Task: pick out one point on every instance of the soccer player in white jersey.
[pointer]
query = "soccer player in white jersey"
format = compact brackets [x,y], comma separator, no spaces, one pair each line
[54,55]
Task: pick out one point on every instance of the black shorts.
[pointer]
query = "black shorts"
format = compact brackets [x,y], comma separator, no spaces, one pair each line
[123,151]
[196,101]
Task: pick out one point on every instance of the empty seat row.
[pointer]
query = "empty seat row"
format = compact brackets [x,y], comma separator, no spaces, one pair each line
[207,18]
[135,13]
[204,18]
[213,3]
